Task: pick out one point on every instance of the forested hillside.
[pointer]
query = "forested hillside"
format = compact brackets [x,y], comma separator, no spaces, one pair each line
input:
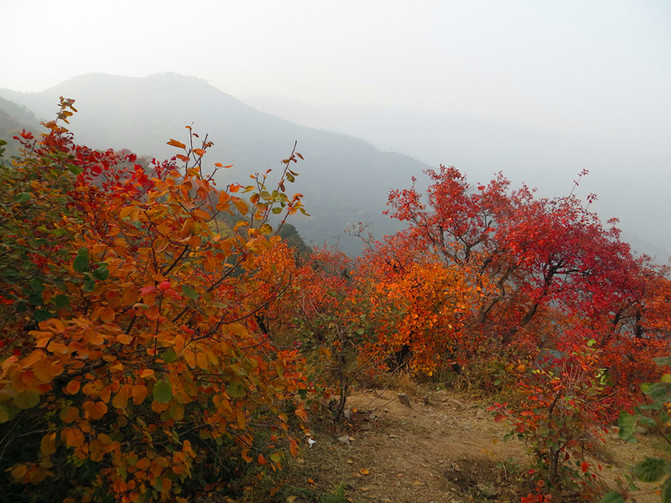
[13,119]
[161,341]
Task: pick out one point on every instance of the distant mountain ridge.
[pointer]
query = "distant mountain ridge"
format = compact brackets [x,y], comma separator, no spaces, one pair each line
[345,180]
[13,119]
[632,182]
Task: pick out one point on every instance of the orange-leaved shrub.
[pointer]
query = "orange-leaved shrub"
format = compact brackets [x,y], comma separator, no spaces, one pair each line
[132,367]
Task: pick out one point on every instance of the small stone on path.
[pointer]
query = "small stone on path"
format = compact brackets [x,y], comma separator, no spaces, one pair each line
[403,398]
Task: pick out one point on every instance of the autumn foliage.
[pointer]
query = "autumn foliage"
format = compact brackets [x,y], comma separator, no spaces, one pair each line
[547,271]
[159,336]
[576,315]
[131,356]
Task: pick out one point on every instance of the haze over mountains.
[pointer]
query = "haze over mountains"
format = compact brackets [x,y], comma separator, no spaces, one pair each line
[344,178]
[14,118]
[632,182]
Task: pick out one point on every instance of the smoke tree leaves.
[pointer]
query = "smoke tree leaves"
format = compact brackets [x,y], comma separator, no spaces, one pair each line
[162,391]
[81,261]
[129,305]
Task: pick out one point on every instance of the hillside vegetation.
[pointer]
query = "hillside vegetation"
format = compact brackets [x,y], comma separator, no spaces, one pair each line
[348,179]
[348,176]
[163,342]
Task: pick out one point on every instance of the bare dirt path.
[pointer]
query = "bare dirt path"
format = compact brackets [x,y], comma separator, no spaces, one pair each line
[441,448]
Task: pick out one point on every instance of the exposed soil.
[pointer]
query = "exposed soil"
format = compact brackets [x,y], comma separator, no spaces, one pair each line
[442,448]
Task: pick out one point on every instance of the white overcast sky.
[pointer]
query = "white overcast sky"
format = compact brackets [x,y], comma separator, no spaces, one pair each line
[600,67]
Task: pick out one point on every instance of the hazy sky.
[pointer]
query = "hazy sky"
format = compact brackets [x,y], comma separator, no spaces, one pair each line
[588,66]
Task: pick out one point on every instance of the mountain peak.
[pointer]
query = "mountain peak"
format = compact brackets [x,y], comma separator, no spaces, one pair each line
[174,77]
[100,80]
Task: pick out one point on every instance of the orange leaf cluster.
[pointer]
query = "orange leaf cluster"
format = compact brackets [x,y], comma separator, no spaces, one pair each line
[136,346]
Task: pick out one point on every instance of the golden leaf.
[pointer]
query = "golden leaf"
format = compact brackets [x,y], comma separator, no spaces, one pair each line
[300,412]
[177,144]
[120,400]
[116,367]
[190,357]
[57,348]
[293,447]
[200,215]
[73,437]
[166,485]
[146,373]
[69,414]
[44,370]
[19,471]
[143,464]
[124,338]
[48,444]
[201,360]
[95,451]
[72,387]
[159,407]
[224,198]
[129,297]
[161,244]
[96,410]
[152,313]
[139,393]
[187,227]
[107,314]
[106,393]
[240,205]
[58,325]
